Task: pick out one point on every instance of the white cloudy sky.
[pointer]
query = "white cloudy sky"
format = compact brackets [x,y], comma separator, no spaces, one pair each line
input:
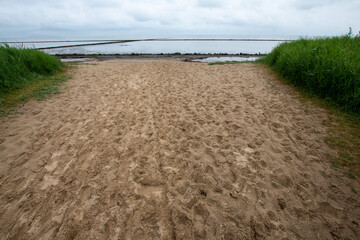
[148,18]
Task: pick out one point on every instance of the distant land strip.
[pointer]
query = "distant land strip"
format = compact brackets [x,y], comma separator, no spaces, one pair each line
[87,44]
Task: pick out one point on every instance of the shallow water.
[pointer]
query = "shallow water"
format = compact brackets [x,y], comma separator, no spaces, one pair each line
[75,59]
[170,47]
[183,45]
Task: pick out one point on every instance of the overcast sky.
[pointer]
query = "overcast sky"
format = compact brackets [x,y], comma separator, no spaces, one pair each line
[69,19]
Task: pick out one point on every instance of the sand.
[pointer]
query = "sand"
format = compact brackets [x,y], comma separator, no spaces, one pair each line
[172,150]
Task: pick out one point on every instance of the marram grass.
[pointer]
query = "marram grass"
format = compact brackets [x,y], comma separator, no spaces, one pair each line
[20,66]
[327,67]
[25,74]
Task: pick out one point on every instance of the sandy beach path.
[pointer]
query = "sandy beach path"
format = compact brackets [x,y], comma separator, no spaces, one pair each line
[172,150]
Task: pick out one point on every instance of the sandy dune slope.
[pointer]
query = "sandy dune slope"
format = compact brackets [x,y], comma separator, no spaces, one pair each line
[172,150]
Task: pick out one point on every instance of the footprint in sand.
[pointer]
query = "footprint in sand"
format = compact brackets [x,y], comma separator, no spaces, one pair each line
[242,159]
[49,181]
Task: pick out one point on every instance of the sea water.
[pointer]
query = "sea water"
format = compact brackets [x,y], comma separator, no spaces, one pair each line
[225,45]
[171,47]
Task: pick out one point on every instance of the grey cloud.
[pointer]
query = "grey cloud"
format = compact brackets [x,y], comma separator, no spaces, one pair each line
[210,3]
[310,4]
[300,17]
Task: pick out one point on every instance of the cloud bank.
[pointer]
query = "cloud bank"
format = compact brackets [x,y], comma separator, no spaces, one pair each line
[125,18]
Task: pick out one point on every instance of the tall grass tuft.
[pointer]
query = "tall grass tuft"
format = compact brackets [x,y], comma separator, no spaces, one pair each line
[327,67]
[19,66]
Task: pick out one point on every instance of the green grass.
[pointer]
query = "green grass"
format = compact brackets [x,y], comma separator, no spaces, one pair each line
[38,89]
[327,67]
[26,74]
[344,137]
[343,133]
[327,72]
[19,66]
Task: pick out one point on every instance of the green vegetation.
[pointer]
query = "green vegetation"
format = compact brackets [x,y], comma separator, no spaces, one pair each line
[326,67]
[25,74]
[20,66]
[344,137]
